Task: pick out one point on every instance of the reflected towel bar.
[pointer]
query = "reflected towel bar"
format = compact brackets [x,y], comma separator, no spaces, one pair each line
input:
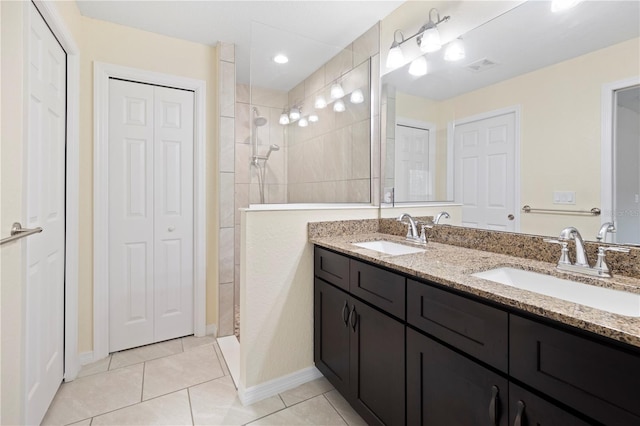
[594,211]
[17,232]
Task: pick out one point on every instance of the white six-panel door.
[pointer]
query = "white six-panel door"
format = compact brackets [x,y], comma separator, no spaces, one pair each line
[150,214]
[45,183]
[485,172]
[413,174]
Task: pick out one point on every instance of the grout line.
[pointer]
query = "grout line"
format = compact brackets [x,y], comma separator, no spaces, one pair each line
[130,405]
[193,422]
[110,360]
[144,367]
[334,407]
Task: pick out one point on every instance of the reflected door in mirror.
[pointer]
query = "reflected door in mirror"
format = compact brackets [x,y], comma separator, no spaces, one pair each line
[415,163]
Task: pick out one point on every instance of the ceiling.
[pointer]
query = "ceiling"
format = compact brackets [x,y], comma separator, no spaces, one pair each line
[524,39]
[309,32]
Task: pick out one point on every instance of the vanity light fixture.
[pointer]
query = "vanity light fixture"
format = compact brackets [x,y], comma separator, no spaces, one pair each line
[454,51]
[303,122]
[562,5]
[294,114]
[313,117]
[337,91]
[280,58]
[338,106]
[284,119]
[418,66]
[320,102]
[395,57]
[357,97]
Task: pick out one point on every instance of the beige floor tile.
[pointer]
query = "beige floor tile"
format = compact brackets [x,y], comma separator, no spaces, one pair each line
[191,342]
[306,391]
[223,362]
[344,409]
[315,411]
[145,353]
[172,409]
[217,403]
[172,373]
[95,367]
[97,394]
[85,422]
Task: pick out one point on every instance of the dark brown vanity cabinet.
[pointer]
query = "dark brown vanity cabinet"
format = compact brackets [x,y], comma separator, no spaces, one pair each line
[359,348]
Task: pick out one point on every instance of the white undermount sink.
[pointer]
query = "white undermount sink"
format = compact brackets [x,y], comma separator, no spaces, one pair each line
[388,247]
[606,299]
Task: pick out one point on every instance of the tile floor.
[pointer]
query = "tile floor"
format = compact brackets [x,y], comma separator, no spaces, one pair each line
[185,382]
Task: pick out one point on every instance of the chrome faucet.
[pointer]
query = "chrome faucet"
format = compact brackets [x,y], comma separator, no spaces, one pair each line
[606,227]
[600,269]
[439,216]
[571,233]
[412,231]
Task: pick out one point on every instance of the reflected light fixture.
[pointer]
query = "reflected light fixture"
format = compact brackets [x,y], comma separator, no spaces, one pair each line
[338,106]
[280,58]
[303,122]
[357,97]
[395,57]
[320,102]
[313,117]
[337,91]
[284,119]
[454,51]
[418,67]
[294,113]
[429,38]
[561,5]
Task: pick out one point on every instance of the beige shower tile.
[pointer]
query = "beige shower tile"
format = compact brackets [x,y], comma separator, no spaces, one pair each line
[97,394]
[226,309]
[306,391]
[344,409]
[339,65]
[145,353]
[169,374]
[361,151]
[241,201]
[99,366]
[226,160]
[172,409]
[227,94]
[226,199]
[316,411]
[315,82]
[367,45]
[237,246]
[226,253]
[243,158]
[217,403]
[296,95]
[269,98]
[242,93]
[359,191]
[242,128]
[227,51]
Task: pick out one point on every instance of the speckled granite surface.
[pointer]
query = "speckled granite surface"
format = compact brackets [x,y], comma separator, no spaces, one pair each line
[452,266]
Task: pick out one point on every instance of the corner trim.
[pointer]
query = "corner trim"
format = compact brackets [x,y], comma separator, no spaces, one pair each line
[273,387]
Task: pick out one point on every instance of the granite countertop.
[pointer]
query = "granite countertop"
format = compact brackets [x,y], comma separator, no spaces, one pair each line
[452,266]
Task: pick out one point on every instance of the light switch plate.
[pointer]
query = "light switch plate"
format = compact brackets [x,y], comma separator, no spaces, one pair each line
[564,197]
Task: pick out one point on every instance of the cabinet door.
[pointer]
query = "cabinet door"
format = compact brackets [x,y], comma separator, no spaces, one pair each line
[446,388]
[377,366]
[331,334]
[526,409]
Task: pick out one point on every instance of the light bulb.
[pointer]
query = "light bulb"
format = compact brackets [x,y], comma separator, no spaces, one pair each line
[395,57]
[320,102]
[454,51]
[313,117]
[338,106]
[294,114]
[430,41]
[560,5]
[337,91]
[284,119]
[280,59]
[418,67]
[357,97]
[303,122]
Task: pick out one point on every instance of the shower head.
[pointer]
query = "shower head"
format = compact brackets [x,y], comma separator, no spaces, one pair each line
[258,120]
[272,148]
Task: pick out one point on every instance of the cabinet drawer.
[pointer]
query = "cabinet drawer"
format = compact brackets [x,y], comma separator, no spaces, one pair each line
[596,379]
[526,409]
[332,267]
[477,329]
[381,288]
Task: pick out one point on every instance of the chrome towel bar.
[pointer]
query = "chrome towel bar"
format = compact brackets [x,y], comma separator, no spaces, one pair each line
[594,211]
[17,232]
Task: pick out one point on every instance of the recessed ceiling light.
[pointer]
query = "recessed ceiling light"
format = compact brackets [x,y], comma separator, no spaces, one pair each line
[280,59]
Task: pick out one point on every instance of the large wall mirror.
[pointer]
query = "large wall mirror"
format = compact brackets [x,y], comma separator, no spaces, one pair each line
[519,121]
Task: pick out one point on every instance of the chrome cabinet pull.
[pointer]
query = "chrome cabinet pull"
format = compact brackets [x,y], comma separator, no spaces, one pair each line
[17,232]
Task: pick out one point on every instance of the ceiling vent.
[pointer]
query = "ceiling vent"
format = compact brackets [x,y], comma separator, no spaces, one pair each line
[481,65]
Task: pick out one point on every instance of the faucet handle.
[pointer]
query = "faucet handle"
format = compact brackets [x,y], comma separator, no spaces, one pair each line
[613,248]
[564,254]
[601,265]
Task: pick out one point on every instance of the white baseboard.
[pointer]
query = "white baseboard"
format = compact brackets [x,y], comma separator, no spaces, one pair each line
[212,329]
[85,358]
[273,387]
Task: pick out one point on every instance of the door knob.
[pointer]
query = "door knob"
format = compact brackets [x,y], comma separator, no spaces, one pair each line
[172,228]
[511,217]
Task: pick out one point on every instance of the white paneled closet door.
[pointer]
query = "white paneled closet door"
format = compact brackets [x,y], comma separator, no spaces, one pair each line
[150,214]
[45,206]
